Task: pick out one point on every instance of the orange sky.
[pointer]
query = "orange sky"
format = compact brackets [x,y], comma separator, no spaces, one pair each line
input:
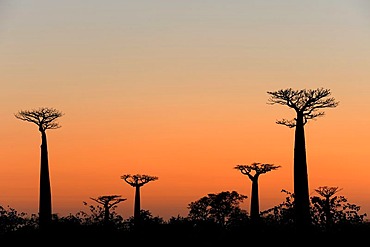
[178,90]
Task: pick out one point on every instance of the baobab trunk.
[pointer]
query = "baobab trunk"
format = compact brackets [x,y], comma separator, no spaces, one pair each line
[45,191]
[327,213]
[106,215]
[137,206]
[301,193]
[254,201]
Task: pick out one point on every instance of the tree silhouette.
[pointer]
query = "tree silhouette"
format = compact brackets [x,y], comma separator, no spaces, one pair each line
[332,212]
[137,181]
[253,172]
[221,208]
[45,118]
[307,104]
[108,202]
[343,215]
[12,221]
[327,193]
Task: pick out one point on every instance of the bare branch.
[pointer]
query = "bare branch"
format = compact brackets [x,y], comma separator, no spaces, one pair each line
[257,167]
[306,103]
[289,123]
[326,191]
[109,201]
[138,180]
[44,117]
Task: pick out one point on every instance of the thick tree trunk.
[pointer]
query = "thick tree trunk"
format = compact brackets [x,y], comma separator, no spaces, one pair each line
[301,192]
[327,213]
[137,206]
[45,190]
[255,201]
[106,214]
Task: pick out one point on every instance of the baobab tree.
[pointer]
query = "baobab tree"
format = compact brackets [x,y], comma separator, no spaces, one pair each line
[108,202]
[137,181]
[45,118]
[253,172]
[333,211]
[327,192]
[307,104]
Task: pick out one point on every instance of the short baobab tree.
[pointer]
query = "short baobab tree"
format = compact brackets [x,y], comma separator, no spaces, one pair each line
[45,118]
[327,192]
[332,211]
[108,202]
[137,181]
[307,104]
[253,171]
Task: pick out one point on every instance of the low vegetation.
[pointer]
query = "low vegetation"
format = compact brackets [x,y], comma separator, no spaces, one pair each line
[213,219]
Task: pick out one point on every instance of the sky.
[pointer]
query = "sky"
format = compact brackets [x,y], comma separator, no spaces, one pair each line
[178,90]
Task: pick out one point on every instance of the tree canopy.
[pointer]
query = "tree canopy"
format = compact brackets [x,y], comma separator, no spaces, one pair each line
[308,103]
[43,117]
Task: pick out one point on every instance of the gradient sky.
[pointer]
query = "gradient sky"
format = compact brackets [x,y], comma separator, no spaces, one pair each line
[177,89]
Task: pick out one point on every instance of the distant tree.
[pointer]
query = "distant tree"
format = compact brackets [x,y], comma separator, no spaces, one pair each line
[330,211]
[341,212]
[325,205]
[108,202]
[221,208]
[137,181]
[45,118]
[253,172]
[96,216]
[307,105]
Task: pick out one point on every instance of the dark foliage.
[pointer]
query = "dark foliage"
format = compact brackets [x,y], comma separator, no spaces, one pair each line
[213,220]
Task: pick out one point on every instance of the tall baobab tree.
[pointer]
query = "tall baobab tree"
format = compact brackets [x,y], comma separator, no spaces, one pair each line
[45,118]
[137,181]
[253,172]
[307,104]
[108,202]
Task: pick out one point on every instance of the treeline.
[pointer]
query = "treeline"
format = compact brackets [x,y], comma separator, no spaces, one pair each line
[214,218]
